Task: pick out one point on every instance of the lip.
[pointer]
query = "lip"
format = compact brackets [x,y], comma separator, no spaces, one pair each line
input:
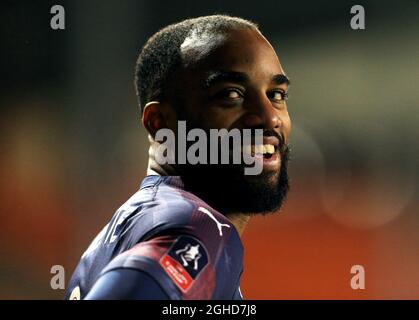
[274,162]
[270,164]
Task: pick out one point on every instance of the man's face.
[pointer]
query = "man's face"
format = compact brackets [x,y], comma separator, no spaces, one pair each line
[236,81]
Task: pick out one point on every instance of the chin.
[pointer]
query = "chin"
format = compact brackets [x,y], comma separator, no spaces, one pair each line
[227,189]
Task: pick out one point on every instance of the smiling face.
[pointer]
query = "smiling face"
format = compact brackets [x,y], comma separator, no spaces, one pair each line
[236,81]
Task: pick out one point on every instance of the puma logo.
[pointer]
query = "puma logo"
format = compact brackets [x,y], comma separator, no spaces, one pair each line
[219,225]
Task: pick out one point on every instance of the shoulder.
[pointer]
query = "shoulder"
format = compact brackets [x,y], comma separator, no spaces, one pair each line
[199,260]
[180,264]
[191,250]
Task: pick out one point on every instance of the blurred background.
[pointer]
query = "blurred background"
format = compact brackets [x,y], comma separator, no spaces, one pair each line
[73,150]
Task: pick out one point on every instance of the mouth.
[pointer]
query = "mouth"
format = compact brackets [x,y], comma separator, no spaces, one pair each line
[268,152]
[265,150]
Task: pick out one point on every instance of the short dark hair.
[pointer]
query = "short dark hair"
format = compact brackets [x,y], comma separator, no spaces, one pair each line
[161,54]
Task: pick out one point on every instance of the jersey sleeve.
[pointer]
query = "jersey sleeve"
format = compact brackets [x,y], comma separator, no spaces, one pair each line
[126,284]
[165,267]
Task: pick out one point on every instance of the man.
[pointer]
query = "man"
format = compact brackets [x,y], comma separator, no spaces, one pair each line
[178,237]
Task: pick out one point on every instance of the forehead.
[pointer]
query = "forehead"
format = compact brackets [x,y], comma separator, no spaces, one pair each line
[243,50]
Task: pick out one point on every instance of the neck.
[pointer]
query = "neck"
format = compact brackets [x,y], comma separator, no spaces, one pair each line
[154,168]
[239,220]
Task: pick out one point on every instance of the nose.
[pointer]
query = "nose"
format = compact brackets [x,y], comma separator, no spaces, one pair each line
[262,114]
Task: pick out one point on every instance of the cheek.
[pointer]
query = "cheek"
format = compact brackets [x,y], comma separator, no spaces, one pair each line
[286,123]
[220,118]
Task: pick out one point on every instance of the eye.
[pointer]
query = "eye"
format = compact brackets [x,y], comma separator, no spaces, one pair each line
[233,94]
[230,94]
[278,96]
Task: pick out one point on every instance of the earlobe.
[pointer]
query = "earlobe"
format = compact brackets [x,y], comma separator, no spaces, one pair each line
[153,118]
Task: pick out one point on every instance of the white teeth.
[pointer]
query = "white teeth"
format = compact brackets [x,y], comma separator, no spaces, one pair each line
[259,149]
[269,148]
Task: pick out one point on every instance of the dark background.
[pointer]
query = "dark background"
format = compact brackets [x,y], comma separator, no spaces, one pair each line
[73,150]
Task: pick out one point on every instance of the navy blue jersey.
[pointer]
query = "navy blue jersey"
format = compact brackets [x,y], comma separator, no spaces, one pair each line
[180,244]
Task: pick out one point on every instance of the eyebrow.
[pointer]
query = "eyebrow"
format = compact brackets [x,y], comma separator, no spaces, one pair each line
[238,77]
[279,79]
[225,76]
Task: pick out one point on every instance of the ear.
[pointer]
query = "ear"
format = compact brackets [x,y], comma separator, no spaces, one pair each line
[153,117]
